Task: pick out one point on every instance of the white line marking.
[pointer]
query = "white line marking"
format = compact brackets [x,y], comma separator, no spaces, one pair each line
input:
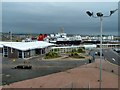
[113,59]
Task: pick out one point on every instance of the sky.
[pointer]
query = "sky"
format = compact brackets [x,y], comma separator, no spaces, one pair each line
[60,1]
[49,17]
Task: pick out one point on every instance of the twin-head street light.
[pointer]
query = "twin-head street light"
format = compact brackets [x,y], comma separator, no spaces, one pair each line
[101,16]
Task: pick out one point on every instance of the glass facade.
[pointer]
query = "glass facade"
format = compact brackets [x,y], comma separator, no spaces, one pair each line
[5,51]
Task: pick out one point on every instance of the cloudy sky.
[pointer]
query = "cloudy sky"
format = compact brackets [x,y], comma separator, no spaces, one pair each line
[49,17]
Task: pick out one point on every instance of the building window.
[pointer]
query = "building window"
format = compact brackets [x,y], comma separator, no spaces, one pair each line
[26,54]
[20,54]
[5,51]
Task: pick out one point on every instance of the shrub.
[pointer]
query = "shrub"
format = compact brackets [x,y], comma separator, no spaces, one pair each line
[74,50]
[80,50]
[51,55]
[75,55]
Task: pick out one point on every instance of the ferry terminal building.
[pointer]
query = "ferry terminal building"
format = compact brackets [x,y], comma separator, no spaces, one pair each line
[25,49]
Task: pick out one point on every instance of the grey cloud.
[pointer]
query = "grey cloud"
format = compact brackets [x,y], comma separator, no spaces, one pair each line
[49,17]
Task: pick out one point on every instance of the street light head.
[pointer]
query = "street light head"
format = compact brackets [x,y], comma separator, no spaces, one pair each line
[89,13]
[113,11]
[99,14]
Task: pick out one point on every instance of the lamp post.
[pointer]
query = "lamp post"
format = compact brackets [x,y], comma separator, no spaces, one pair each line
[11,40]
[100,16]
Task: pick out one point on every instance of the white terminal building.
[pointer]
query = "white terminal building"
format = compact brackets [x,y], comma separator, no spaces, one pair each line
[65,49]
[25,49]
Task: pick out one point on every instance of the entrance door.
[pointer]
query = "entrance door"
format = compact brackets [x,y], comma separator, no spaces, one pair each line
[20,54]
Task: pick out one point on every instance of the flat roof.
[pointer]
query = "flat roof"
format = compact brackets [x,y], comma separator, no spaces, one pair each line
[66,47]
[27,45]
[1,46]
[3,42]
[90,45]
[109,44]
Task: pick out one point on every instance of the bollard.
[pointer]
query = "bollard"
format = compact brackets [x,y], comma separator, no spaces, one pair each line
[88,86]
[112,71]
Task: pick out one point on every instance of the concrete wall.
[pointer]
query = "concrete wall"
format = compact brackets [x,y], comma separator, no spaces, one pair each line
[1,50]
[26,54]
[64,50]
[14,53]
[32,52]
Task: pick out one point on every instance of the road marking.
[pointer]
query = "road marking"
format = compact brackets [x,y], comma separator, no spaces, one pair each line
[112,63]
[113,59]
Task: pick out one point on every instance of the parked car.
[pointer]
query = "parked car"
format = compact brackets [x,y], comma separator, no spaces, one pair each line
[23,67]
